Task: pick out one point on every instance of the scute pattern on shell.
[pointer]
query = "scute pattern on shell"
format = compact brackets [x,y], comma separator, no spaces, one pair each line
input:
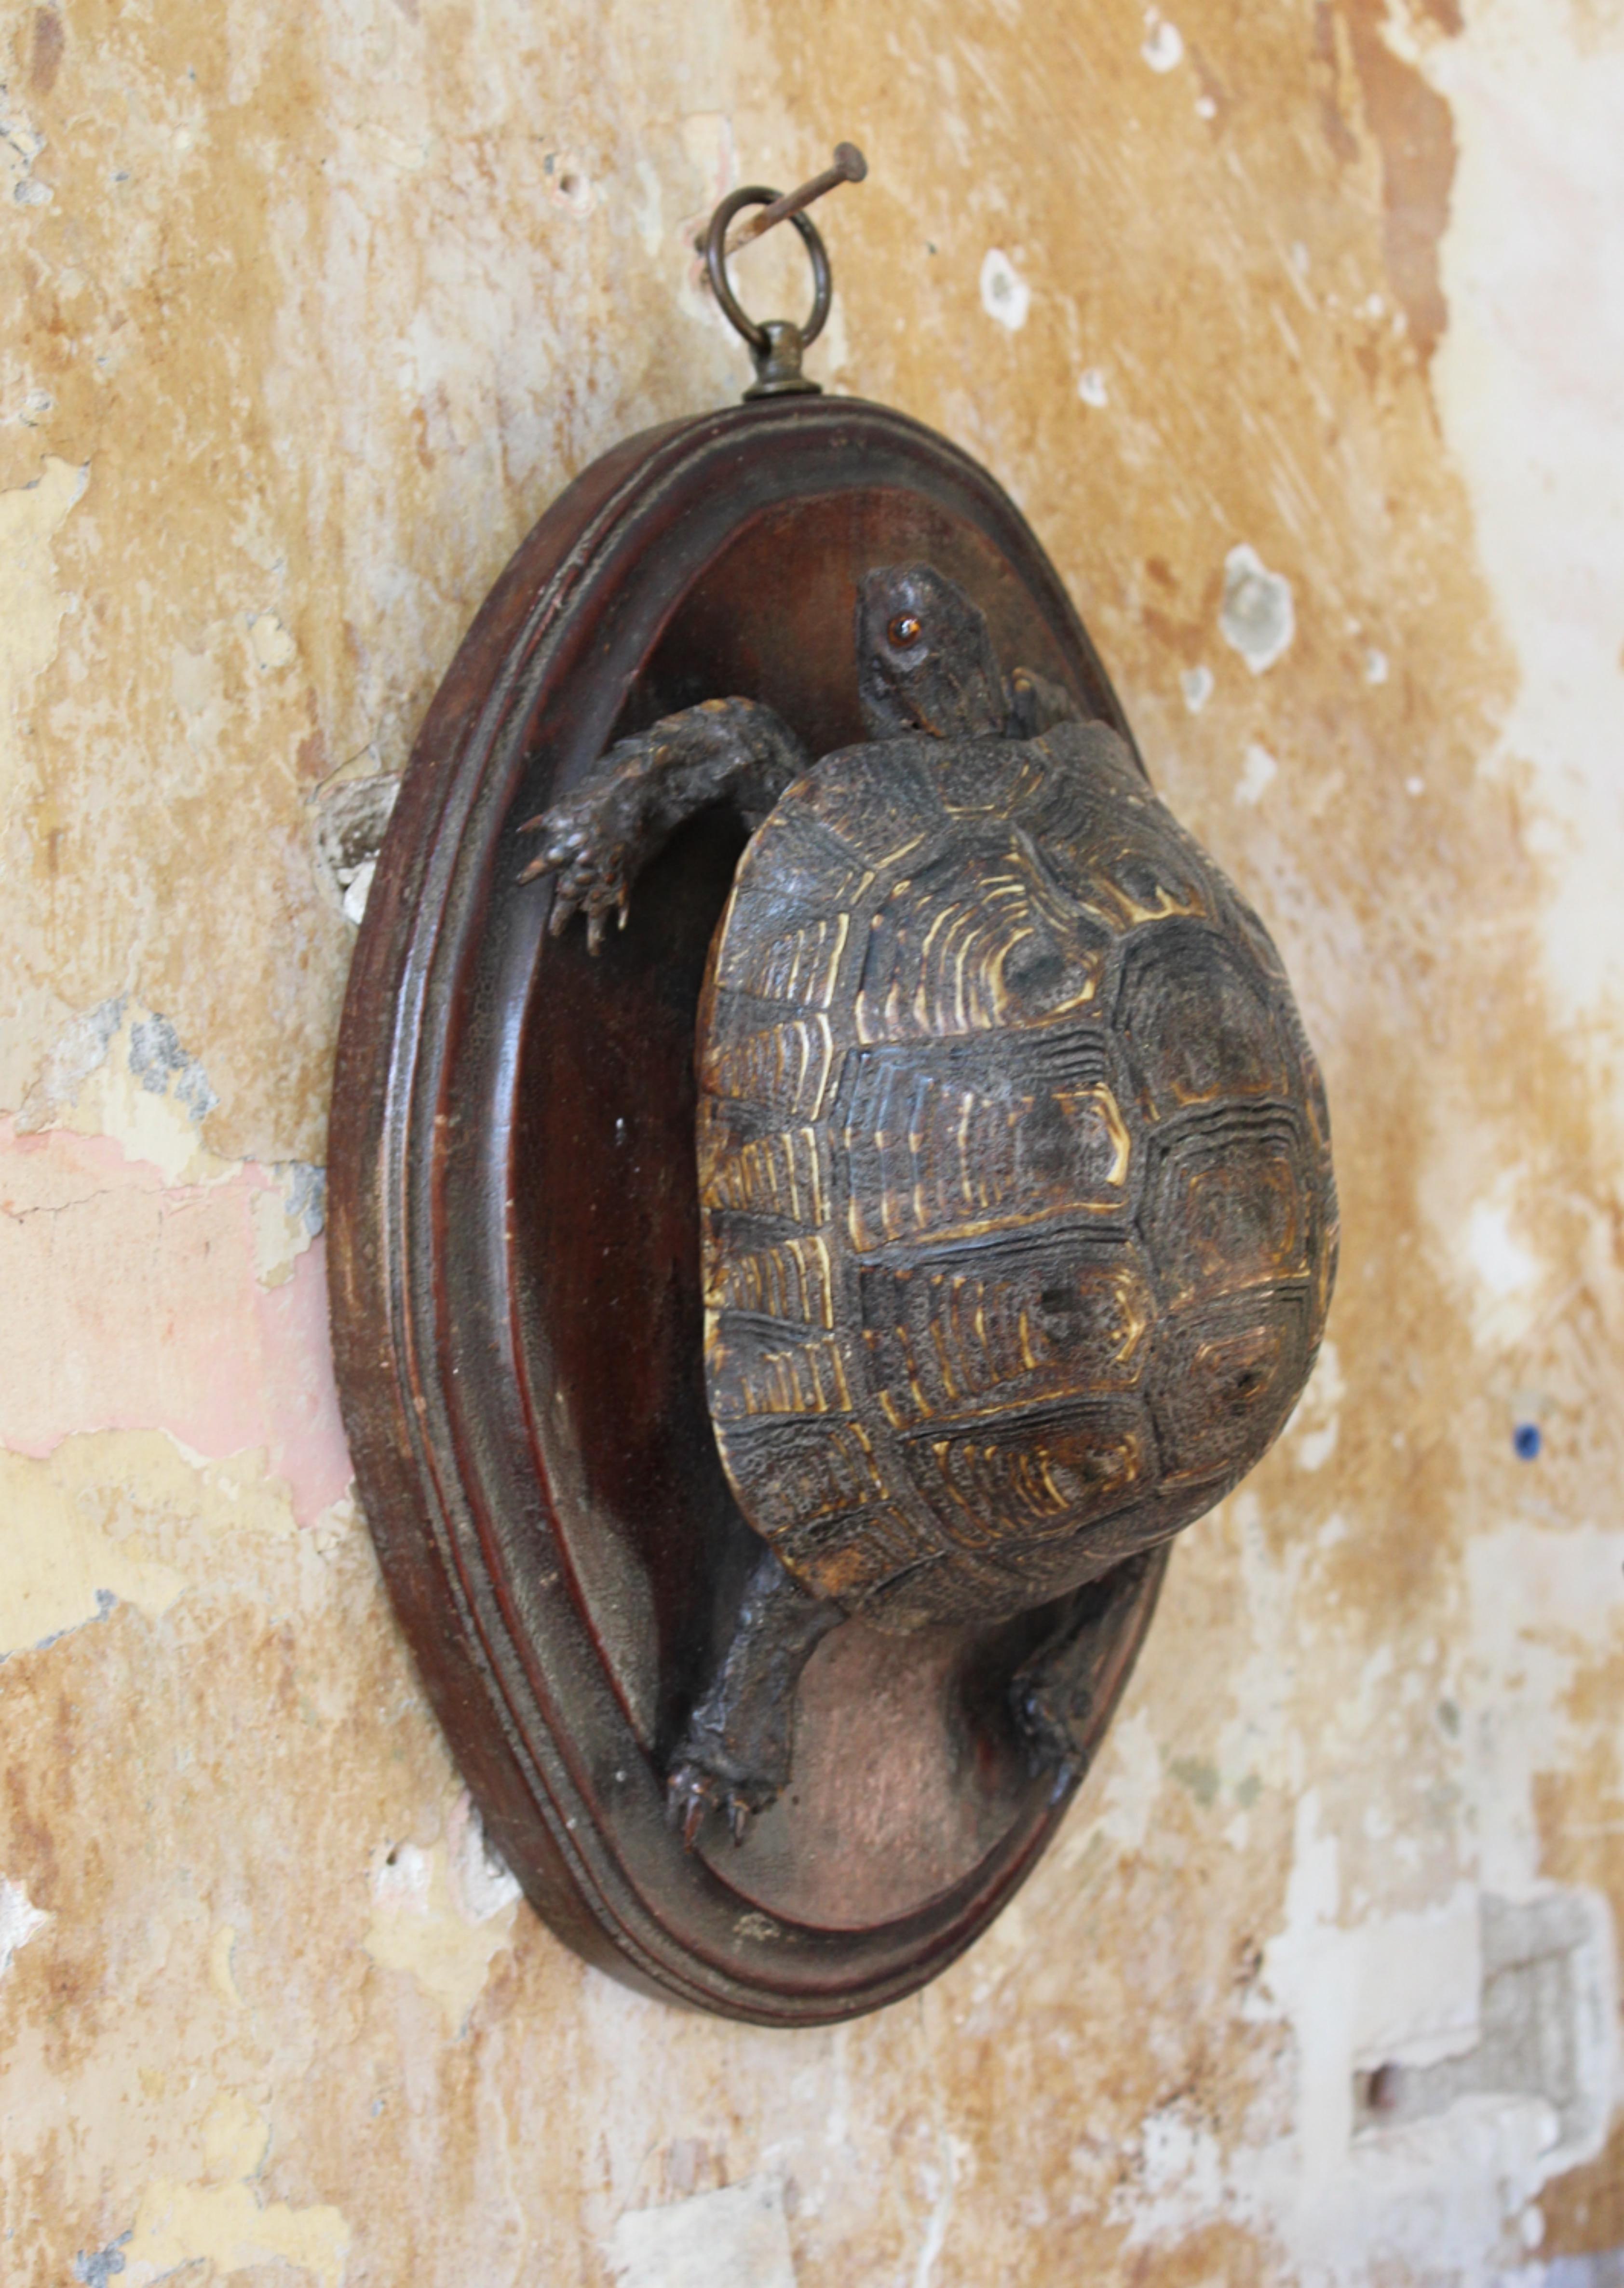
[1019,1224]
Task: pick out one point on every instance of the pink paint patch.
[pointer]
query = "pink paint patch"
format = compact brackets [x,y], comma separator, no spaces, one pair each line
[301,1398]
[134,1306]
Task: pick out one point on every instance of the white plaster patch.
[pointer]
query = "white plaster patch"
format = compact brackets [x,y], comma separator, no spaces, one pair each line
[439,1917]
[19,1919]
[1195,683]
[269,641]
[1257,618]
[1536,1597]
[79,1049]
[1375,666]
[31,605]
[649,207]
[222,1971]
[101,1520]
[1179,2181]
[1263,1735]
[568,183]
[1132,1784]
[151,1096]
[1005,294]
[1163,47]
[228,2226]
[60,1567]
[1258,774]
[1315,1419]
[351,817]
[1502,1263]
[1499,2022]
[357,890]
[940,2182]
[289,1216]
[481,1881]
[734,2238]
[1508,1279]
[20,145]
[1091,387]
[1527,386]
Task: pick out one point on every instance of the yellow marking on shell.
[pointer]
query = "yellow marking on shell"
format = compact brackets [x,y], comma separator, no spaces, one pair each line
[884,861]
[946,1364]
[961,1139]
[963,1173]
[1008,792]
[799,1379]
[777,1175]
[800,967]
[1110,1112]
[953,979]
[1044,1465]
[993,1490]
[791,1282]
[1117,906]
[922,1012]
[1132,1298]
[785,1066]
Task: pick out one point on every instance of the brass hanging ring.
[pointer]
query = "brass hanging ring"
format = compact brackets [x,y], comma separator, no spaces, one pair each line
[756,194]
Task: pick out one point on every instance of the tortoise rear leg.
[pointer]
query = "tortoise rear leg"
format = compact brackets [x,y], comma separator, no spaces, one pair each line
[735,1755]
[598,839]
[1055,1692]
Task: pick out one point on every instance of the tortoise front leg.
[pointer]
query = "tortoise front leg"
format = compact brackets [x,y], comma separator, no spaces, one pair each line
[735,1755]
[598,839]
[1037,704]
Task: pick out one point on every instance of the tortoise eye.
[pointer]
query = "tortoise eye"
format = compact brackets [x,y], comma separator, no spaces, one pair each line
[904,628]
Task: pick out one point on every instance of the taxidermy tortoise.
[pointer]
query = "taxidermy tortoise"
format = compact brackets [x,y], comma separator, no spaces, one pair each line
[1019,1222]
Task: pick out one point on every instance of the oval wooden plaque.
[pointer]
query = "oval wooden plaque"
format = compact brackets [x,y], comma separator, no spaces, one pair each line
[516,1310]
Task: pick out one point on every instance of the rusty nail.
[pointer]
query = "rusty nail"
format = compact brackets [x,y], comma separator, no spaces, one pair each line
[849,166]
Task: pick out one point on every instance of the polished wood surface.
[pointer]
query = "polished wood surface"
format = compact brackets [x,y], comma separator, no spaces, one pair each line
[517,1292]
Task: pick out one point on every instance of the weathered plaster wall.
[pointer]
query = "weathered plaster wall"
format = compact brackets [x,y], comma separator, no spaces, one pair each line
[308,313]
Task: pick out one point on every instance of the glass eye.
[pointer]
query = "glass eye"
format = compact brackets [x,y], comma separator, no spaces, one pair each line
[904,628]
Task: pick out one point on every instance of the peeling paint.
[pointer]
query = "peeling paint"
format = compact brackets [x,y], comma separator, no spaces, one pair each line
[110,1248]
[226,2225]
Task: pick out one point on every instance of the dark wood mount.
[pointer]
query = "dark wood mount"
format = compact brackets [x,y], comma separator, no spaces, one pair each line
[516,1303]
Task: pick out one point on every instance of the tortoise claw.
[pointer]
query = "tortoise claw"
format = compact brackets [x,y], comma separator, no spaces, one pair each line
[688,1800]
[692,1794]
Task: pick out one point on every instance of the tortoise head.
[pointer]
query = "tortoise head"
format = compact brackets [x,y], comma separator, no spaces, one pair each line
[925,657]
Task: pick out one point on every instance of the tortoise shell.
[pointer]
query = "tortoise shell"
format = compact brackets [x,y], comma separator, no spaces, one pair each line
[1019,1225]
